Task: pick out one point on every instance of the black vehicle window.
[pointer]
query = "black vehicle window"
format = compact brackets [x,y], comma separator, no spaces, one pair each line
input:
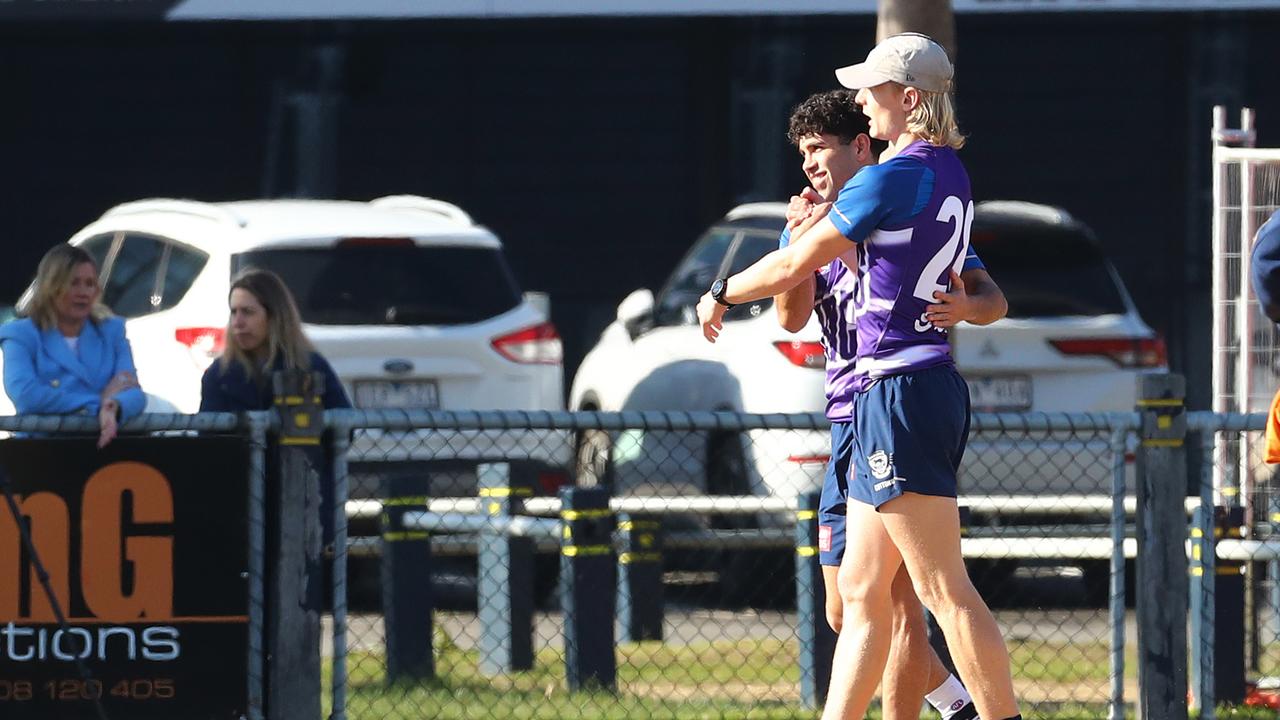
[180,272]
[131,284]
[377,282]
[754,246]
[98,247]
[678,300]
[1048,271]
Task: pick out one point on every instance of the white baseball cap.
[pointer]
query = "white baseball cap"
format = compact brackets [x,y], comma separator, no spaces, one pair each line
[909,59]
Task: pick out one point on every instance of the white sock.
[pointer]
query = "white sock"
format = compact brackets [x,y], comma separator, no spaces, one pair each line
[949,698]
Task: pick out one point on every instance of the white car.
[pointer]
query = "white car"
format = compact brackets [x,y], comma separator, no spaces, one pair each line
[1072,342]
[411,301]
[653,357]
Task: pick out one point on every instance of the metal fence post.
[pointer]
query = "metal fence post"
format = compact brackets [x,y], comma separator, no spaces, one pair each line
[295,595]
[504,585]
[1228,611]
[1162,561]
[586,570]
[1204,570]
[406,580]
[817,639]
[640,601]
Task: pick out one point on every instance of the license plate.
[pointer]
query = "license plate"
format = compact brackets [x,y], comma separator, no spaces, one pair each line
[423,394]
[1008,392]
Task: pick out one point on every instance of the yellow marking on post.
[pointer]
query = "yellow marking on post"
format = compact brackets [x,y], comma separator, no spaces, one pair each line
[1164,422]
[403,501]
[806,514]
[1170,443]
[626,525]
[505,492]
[629,558]
[584,514]
[405,535]
[1161,402]
[299,440]
[584,550]
[495,508]
[806,551]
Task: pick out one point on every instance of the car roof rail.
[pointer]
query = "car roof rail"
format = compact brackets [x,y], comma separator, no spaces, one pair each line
[418,203]
[1029,211]
[757,209]
[194,208]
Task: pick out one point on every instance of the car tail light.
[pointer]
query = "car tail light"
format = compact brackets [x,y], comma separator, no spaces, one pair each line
[804,354]
[537,344]
[550,482]
[1125,352]
[205,343]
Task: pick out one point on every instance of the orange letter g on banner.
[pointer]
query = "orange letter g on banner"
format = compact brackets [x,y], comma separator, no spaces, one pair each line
[105,549]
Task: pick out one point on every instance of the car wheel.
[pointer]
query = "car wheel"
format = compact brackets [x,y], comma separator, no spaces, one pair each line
[594,459]
[755,578]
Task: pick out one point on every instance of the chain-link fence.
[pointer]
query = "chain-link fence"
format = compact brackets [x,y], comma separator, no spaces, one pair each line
[701,561]
[517,565]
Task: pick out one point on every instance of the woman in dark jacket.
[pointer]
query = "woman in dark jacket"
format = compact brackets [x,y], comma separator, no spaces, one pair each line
[264,334]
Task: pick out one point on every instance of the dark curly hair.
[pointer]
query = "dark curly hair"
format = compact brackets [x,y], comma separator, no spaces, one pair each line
[828,113]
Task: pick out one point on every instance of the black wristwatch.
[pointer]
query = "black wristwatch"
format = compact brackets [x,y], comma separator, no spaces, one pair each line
[718,289]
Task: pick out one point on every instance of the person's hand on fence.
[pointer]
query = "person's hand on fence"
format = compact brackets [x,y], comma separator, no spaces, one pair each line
[108,421]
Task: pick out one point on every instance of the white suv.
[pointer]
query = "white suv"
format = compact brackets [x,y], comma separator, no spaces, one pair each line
[412,303]
[1073,342]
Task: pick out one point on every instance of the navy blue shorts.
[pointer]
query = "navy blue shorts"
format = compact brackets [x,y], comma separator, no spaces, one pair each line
[910,433]
[835,491]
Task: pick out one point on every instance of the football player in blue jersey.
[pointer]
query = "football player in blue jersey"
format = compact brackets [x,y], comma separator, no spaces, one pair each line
[905,223]
[831,134]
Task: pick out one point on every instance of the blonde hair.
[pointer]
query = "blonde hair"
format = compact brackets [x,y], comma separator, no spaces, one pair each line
[933,119]
[53,278]
[285,338]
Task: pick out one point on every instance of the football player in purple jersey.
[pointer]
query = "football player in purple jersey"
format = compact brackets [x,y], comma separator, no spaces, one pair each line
[831,134]
[906,224]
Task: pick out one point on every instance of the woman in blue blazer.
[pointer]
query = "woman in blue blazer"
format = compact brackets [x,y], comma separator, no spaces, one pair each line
[69,354]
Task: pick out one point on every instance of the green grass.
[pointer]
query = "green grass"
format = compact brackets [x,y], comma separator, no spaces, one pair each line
[742,680]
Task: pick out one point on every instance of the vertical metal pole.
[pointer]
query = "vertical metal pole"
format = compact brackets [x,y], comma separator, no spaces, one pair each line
[1162,560]
[640,602]
[258,422]
[406,580]
[1119,438]
[1220,303]
[1203,571]
[341,444]
[505,578]
[1245,311]
[589,588]
[817,639]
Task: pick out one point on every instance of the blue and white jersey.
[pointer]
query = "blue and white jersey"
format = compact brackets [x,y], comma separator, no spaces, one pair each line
[834,298]
[910,218]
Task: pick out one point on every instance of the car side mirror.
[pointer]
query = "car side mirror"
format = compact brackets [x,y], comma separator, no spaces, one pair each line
[635,311]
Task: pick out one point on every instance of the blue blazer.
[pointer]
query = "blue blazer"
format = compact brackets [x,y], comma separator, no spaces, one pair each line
[232,390]
[43,376]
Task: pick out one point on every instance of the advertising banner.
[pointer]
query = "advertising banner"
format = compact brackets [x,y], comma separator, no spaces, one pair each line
[146,547]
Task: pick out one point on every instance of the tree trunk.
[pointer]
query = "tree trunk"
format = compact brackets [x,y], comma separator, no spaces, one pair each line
[934,18]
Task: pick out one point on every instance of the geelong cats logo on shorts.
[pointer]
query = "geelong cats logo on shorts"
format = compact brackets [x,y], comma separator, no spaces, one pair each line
[881,464]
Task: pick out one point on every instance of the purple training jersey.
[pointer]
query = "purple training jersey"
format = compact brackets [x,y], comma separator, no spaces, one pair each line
[910,217]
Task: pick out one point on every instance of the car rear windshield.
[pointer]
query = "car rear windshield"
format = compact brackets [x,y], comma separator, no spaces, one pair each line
[354,283]
[1049,272]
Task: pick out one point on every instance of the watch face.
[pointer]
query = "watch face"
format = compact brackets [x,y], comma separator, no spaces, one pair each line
[717,288]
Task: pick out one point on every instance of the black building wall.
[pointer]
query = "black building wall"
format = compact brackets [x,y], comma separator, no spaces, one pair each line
[598,149]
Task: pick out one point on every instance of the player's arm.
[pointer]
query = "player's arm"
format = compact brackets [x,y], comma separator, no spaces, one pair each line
[796,305]
[974,297]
